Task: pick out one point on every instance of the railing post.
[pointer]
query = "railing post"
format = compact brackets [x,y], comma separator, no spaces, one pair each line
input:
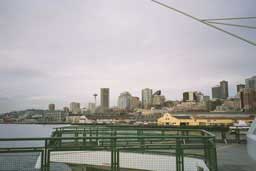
[84,137]
[46,157]
[212,155]
[179,156]
[114,155]
[90,132]
[237,135]
[76,135]
[141,139]
[42,160]
[97,134]
[206,149]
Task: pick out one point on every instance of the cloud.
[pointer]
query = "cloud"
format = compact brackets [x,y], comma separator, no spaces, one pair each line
[20,73]
[54,52]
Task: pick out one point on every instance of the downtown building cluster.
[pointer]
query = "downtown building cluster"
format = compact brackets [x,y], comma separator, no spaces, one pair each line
[192,101]
[244,100]
[151,103]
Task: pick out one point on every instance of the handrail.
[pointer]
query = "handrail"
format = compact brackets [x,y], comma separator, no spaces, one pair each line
[103,137]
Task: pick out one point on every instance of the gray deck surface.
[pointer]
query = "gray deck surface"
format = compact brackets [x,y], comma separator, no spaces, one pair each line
[234,157]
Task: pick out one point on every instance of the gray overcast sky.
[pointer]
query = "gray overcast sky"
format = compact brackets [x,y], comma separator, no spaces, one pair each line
[63,51]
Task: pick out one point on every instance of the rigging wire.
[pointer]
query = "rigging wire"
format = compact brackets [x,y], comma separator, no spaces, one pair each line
[234,25]
[206,23]
[236,18]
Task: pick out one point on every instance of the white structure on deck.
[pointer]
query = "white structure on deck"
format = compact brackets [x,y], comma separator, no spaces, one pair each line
[251,140]
[127,160]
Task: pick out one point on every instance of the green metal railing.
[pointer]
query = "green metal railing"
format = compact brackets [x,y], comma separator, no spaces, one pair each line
[179,143]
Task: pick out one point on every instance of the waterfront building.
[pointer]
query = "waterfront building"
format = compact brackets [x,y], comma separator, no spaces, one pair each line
[55,116]
[92,107]
[73,118]
[186,120]
[104,99]
[75,108]
[248,99]
[250,82]
[84,120]
[146,98]
[239,88]
[224,89]
[124,101]
[51,107]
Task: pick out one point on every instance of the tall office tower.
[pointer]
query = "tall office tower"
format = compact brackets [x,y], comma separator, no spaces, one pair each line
[66,109]
[92,107]
[124,101]
[135,102]
[104,99]
[224,89]
[248,99]
[216,93]
[158,100]
[75,108]
[199,96]
[146,98]
[51,107]
[189,96]
[250,82]
[239,87]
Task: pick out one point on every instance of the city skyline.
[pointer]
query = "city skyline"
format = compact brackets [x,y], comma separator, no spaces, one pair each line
[54,52]
[104,92]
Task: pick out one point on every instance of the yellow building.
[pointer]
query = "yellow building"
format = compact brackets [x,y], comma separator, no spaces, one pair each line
[169,119]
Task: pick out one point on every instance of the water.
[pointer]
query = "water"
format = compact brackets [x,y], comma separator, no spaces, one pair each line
[24,161]
[26,130]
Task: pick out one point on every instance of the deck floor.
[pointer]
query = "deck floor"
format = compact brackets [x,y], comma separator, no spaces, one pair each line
[234,157]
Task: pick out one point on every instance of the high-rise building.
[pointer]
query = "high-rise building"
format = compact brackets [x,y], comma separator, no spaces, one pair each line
[199,96]
[158,100]
[66,109]
[250,82]
[189,96]
[220,91]
[92,107]
[239,87]
[124,101]
[51,107]
[248,99]
[216,92]
[146,98]
[104,99]
[75,108]
[224,89]
[135,102]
